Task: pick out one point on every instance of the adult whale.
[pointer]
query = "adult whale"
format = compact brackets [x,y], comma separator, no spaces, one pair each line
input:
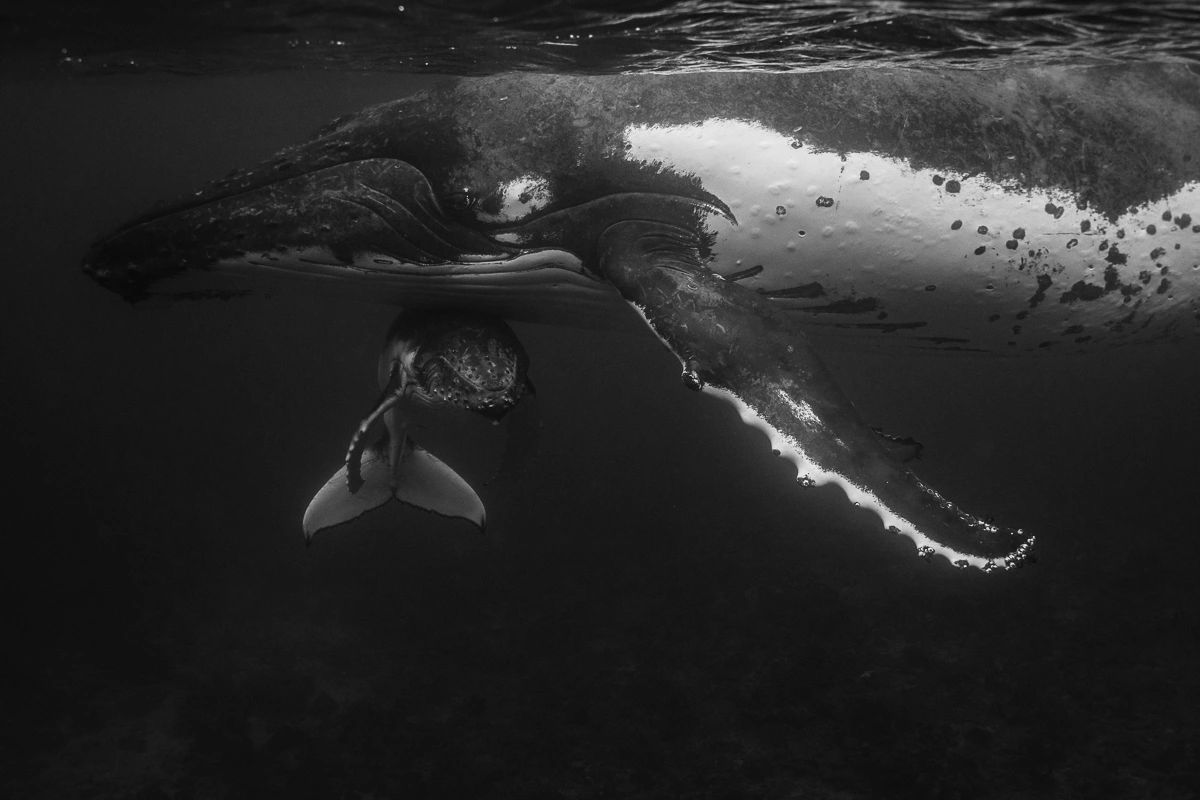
[1009,209]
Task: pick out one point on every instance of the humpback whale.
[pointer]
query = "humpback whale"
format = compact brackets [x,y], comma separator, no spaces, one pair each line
[1012,210]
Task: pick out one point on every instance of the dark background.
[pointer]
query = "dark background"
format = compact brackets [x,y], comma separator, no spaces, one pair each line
[657,610]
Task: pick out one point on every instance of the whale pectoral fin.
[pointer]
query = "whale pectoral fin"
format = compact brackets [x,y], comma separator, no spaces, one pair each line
[419,479]
[734,344]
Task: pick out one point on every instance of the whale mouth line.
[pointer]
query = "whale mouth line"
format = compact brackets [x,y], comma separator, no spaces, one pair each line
[372,223]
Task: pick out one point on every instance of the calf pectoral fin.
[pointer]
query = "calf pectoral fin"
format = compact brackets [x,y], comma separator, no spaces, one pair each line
[419,479]
[735,345]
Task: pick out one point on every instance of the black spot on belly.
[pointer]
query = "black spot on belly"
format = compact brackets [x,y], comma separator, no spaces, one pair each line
[938,180]
[953,187]
[942,339]
[858,306]
[982,229]
[885,327]
[808,290]
[1112,279]
[1166,216]
[742,274]
[980,250]
[824,202]
[864,176]
[1115,256]
[1011,244]
[1085,226]
[956,224]
[1043,282]
[1183,220]
[1163,286]
[1151,229]
[1019,233]
[1082,290]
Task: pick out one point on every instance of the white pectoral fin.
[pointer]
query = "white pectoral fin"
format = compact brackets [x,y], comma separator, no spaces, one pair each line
[420,479]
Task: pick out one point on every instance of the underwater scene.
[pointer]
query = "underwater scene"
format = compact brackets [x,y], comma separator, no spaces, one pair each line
[601,400]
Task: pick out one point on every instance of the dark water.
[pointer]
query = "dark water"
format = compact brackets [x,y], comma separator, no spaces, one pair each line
[656,611]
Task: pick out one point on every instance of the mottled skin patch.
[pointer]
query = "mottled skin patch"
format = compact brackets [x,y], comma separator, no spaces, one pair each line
[1050,126]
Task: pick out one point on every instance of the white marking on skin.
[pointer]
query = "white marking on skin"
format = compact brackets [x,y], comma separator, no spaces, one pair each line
[801,410]
[890,236]
[519,198]
[807,470]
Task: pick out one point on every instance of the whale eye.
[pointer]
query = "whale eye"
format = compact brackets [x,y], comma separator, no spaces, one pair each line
[460,201]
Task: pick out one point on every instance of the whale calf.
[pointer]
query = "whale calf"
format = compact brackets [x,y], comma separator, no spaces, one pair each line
[450,360]
[1013,210]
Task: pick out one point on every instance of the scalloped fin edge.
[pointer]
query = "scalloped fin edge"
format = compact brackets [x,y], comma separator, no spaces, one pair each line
[421,480]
